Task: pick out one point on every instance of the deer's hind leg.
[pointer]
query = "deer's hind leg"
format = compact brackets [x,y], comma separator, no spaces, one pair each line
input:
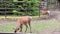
[29,25]
[21,28]
[26,27]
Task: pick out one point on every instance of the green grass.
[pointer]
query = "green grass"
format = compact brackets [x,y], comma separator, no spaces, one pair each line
[12,16]
[9,27]
[36,26]
[15,0]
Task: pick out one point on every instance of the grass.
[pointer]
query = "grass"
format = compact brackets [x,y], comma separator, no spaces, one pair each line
[17,16]
[9,27]
[36,26]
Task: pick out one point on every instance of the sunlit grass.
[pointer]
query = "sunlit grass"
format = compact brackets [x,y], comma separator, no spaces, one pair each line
[17,16]
[35,26]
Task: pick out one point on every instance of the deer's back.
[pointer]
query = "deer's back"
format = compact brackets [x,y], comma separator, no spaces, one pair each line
[24,19]
[45,12]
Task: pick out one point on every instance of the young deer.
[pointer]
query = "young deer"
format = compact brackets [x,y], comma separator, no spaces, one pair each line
[45,12]
[24,20]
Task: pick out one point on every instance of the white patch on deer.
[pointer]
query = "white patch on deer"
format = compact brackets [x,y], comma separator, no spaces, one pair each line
[49,12]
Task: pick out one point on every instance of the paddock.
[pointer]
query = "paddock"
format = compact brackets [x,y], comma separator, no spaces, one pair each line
[40,25]
[47,24]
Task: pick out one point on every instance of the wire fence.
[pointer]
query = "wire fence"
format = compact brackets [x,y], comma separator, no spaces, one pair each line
[4,6]
[48,4]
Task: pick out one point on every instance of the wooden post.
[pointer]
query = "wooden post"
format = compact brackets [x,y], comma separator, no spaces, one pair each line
[26,9]
[5,11]
[39,9]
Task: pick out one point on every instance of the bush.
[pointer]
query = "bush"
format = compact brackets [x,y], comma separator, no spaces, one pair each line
[31,5]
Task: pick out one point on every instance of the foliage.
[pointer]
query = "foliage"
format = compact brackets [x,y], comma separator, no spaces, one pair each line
[21,7]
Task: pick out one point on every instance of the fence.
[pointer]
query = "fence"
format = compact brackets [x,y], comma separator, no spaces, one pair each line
[53,4]
[6,7]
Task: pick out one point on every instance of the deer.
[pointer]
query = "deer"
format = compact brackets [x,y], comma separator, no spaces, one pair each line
[45,12]
[24,20]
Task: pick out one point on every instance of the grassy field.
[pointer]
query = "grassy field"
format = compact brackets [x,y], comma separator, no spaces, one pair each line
[37,26]
[18,16]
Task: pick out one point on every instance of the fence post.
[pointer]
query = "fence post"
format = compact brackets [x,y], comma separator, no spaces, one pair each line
[5,11]
[39,9]
[26,8]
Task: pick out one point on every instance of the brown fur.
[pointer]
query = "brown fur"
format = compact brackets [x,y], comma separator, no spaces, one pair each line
[45,12]
[25,20]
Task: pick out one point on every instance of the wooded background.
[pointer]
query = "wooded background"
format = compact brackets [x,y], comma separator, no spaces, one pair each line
[19,7]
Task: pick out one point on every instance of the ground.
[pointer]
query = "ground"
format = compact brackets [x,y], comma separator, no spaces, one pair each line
[50,25]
